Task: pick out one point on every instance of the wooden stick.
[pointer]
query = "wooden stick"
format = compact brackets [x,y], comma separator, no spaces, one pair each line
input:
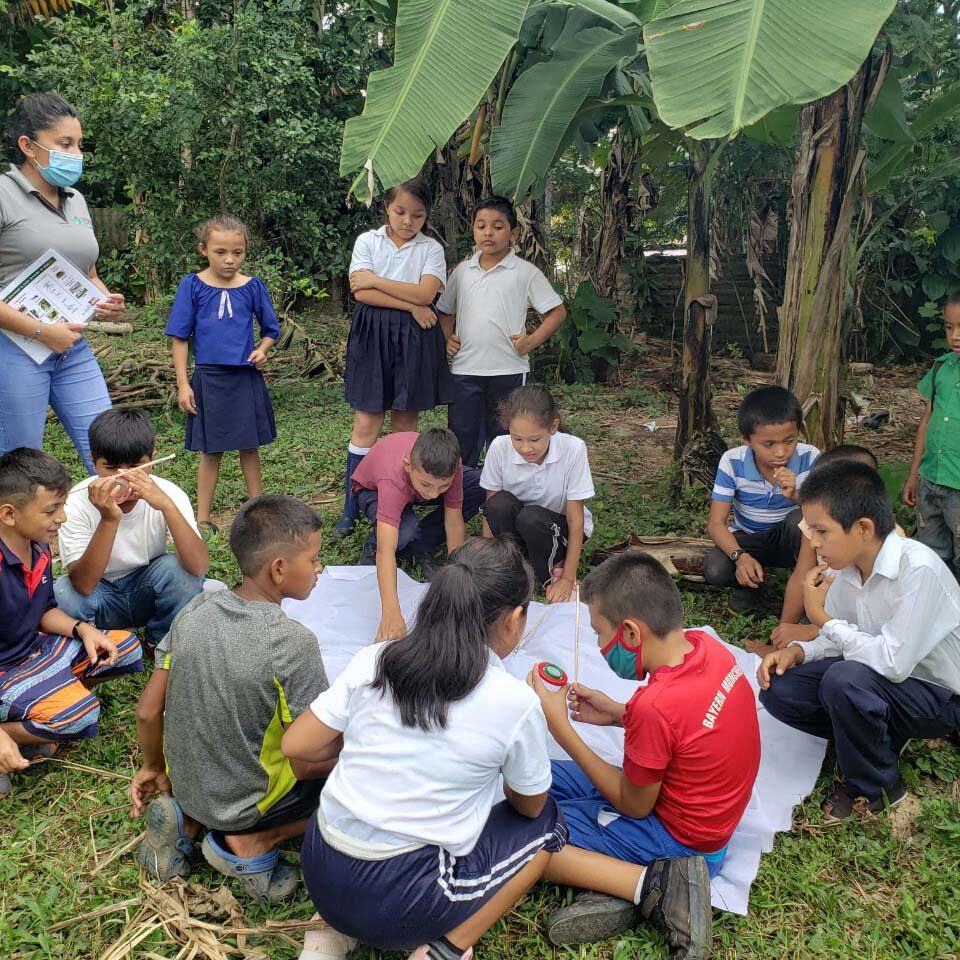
[143,466]
[82,766]
[576,641]
[99,912]
[117,852]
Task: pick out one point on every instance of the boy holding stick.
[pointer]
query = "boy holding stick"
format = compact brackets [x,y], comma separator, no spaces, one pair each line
[114,542]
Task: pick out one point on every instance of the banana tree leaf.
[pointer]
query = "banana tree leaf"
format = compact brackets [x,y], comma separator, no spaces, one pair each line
[718,66]
[618,14]
[543,102]
[432,86]
[895,158]
[645,10]
[887,118]
[776,129]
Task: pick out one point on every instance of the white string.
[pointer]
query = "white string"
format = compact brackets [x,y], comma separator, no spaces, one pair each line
[576,641]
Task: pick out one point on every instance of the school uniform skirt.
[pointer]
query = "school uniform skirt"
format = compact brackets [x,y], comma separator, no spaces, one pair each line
[234,411]
[401,902]
[394,364]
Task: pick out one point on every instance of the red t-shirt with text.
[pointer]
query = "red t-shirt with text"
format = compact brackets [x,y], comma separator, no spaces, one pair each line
[382,470]
[694,729]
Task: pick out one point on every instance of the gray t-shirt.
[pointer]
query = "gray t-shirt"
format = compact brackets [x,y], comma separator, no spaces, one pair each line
[239,671]
[29,227]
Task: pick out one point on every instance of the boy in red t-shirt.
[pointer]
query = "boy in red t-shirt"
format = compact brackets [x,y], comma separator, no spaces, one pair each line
[400,470]
[652,832]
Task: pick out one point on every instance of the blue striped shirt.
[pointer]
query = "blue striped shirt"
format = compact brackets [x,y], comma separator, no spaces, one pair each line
[758,504]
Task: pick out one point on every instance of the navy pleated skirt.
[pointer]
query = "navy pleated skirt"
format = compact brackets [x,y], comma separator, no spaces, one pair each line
[234,411]
[394,364]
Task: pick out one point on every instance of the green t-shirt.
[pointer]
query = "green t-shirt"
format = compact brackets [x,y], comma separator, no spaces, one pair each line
[239,671]
[941,455]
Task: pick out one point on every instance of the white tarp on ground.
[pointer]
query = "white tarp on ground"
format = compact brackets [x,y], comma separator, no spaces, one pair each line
[344,611]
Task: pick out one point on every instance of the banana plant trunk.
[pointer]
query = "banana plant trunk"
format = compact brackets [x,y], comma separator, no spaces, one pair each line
[616,212]
[698,437]
[823,197]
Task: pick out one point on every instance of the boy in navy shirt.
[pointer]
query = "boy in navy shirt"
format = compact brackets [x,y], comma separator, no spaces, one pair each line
[759,481]
[48,660]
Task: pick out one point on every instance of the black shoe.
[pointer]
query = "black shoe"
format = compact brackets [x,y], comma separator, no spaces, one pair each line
[591,917]
[743,600]
[843,802]
[675,898]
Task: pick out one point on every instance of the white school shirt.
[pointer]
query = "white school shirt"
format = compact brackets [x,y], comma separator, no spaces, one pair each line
[564,474]
[396,789]
[903,622]
[142,535]
[375,251]
[491,306]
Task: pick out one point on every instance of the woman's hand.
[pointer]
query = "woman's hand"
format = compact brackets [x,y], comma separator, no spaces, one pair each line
[61,337]
[112,307]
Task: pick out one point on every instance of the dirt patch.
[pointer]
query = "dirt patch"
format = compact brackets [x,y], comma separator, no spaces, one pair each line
[903,816]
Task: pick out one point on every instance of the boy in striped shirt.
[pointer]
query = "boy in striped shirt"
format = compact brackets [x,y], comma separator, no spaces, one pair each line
[758,481]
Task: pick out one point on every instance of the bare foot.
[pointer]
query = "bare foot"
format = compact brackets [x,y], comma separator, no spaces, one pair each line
[760,649]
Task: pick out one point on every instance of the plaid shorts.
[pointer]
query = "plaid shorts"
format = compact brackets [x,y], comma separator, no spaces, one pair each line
[46,693]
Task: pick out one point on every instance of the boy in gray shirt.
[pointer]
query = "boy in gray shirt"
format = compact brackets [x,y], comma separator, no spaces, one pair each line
[231,674]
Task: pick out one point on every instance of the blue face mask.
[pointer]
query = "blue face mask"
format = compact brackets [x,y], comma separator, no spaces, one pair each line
[622,660]
[63,169]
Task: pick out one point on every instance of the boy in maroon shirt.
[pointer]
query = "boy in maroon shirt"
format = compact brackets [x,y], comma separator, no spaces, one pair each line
[652,833]
[403,469]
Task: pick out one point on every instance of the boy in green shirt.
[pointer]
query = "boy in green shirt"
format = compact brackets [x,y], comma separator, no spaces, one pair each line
[933,486]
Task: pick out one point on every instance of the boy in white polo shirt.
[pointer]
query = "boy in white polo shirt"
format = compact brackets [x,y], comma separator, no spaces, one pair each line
[489,295]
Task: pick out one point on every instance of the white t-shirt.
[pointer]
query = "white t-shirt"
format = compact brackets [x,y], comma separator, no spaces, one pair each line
[491,306]
[375,251]
[564,475]
[141,537]
[395,788]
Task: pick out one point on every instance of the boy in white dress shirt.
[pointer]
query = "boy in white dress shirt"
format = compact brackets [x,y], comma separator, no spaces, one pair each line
[885,667]
[489,294]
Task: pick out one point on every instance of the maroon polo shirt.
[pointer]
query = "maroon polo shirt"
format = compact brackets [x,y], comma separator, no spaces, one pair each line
[25,596]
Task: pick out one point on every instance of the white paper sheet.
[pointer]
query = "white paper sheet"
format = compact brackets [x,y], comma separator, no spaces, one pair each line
[344,611]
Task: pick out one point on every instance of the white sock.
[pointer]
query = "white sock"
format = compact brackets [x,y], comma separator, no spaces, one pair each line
[358,451]
[637,893]
[326,944]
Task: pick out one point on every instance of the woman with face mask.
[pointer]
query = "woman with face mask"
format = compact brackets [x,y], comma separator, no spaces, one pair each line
[40,209]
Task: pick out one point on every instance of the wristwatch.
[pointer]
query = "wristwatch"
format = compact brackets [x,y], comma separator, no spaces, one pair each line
[735,555]
[77,626]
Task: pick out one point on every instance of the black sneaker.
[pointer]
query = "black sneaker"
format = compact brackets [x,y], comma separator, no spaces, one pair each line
[843,802]
[591,917]
[675,898]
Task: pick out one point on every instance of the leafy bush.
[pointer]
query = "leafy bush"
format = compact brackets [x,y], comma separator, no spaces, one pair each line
[240,111]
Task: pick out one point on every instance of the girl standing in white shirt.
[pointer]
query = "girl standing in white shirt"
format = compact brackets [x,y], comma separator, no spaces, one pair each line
[536,479]
[396,352]
[409,850]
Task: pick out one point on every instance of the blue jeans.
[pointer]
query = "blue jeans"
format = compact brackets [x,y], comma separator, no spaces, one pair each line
[594,825]
[868,717]
[419,537]
[149,597]
[72,383]
[938,521]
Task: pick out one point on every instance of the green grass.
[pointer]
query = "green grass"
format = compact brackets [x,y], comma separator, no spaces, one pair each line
[852,891]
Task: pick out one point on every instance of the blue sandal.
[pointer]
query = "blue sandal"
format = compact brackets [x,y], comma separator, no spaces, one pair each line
[265,878]
[165,848]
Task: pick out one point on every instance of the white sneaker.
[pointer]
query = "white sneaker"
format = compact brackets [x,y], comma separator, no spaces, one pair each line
[326,944]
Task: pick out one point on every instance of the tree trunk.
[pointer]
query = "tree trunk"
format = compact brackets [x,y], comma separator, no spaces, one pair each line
[616,212]
[698,438]
[823,196]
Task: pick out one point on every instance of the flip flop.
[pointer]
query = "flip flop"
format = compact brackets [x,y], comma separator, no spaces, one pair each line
[164,850]
[265,878]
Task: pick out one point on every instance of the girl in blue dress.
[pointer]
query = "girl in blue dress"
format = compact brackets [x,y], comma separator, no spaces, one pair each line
[226,402]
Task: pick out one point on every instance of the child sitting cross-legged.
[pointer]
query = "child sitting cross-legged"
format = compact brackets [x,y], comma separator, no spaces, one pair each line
[885,665]
[401,470]
[49,659]
[758,481]
[231,674]
[648,834]
[114,542]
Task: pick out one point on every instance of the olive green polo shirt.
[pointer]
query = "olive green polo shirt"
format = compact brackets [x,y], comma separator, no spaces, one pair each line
[941,455]
[29,226]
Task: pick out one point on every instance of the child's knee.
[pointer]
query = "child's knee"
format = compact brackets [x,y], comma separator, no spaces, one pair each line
[718,569]
[845,680]
[72,602]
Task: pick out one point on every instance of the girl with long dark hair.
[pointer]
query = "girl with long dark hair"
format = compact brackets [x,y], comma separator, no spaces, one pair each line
[409,850]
